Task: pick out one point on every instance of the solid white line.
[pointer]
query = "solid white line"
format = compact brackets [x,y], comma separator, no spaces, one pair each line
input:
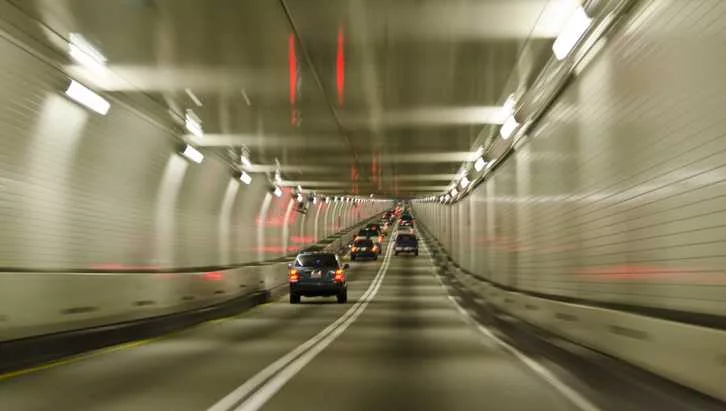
[573,396]
[245,390]
[271,387]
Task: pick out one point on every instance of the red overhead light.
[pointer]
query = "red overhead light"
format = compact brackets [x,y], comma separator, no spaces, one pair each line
[340,67]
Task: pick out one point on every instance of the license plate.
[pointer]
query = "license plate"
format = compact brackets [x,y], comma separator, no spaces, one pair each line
[316,274]
[364,249]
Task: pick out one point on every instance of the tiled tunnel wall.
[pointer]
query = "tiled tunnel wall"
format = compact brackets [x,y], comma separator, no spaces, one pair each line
[617,200]
[92,208]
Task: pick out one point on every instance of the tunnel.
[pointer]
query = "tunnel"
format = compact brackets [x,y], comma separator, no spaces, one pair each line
[350,205]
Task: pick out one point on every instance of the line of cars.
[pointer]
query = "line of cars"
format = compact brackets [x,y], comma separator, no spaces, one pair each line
[316,274]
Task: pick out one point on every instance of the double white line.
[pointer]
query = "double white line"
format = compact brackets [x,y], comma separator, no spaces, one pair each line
[256,391]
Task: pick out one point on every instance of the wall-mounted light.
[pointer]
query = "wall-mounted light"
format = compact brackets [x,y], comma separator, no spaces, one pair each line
[464,183]
[87,98]
[193,154]
[299,198]
[479,164]
[315,199]
[327,200]
[193,124]
[245,178]
[84,53]
[571,33]
[276,191]
[454,192]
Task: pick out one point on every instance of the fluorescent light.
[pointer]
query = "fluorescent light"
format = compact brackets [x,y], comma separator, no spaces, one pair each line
[479,164]
[193,125]
[277,192]
[87,97]
[245,178]
[447,198]
[464,183]
[571,33]
[299,198]
[84,53]
[454,192]
[193,154]
[315,200]
[193,96]
[508,127]
[327,200]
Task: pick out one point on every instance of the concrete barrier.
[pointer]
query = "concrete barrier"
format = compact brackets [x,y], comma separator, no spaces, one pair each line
[691,355]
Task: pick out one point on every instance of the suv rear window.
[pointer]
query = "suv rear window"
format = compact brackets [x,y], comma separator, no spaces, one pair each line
[363,243]
[316,260]
[405,238]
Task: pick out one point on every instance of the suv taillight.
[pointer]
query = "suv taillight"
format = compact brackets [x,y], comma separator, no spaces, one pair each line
[293,277]
[339,276]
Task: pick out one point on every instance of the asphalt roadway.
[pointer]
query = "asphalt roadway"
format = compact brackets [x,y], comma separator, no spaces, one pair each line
[400,343]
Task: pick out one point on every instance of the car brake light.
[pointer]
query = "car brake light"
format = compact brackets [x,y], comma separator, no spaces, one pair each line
[339,276]
[375,248]
[294,276]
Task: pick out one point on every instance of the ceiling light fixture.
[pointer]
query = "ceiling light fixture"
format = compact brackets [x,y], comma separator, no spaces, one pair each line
[87,97]
[245,178]
[454,192]
[464,183]
[479,164]
[193,154]
[571,33]
[276,191]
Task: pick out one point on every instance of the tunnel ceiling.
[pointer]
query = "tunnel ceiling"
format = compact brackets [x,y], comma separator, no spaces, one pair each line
[366,96]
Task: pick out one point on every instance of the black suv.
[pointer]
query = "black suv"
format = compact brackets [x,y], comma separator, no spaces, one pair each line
[406,243]
[316,275]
